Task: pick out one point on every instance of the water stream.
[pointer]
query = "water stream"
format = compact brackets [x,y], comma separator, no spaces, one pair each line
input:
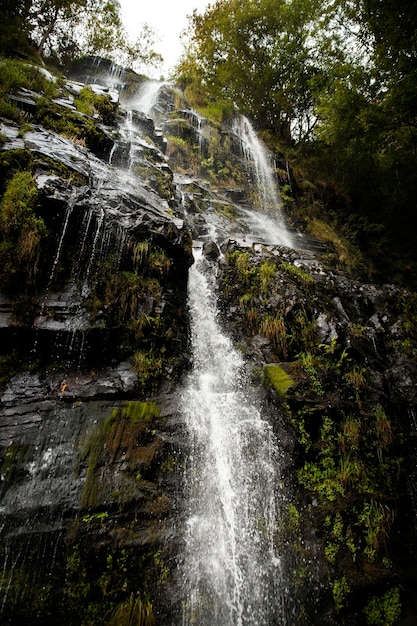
[266,216]
[231,570]
[147,97]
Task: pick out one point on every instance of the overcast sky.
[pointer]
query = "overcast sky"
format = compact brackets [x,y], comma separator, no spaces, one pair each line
[167,17]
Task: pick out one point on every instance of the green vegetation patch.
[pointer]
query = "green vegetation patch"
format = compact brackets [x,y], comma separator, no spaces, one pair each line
[21,233]
[278,378]
[138,411]
[93,104]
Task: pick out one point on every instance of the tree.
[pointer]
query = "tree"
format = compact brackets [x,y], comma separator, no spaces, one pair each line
[256,53]
[14,30]
[335,82]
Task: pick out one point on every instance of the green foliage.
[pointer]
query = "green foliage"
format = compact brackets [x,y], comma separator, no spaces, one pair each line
[15,75]
[133,612]
[376,518]
[92,104]
[384,610]
[22,233]
[129,298]
[15,28]
[126,292]
[149,368]
[341,591]
[183,155]
[110,588]
[62,30]
[254,56]
[298,274]
[267,272]
[219,112]
[278,378]
[309,365]
[335,87]
[18,203]
[274,329]
[94,517]
[347,465]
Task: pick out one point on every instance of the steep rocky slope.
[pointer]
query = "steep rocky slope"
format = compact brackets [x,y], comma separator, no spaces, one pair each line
[99,208]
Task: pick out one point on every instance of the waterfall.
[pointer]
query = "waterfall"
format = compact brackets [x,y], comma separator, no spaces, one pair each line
[266,219]
[147,97]
[231,572]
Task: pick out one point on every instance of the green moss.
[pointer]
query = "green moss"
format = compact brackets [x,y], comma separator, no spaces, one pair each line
[228,210]
[92,104]
[140,411]
[63,171]
[89,496]
[278,378]
[384,610]
[132,411]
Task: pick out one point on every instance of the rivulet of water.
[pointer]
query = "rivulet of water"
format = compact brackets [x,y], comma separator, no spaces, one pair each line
[231,571]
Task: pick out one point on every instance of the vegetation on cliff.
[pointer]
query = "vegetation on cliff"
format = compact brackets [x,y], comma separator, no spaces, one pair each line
[329,367]
[334,355]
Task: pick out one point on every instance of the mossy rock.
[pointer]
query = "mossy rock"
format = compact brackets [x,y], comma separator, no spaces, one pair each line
[137,411]
[278,378]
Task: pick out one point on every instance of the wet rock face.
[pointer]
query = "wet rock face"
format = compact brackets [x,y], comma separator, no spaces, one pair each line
[88,464]
[88,493]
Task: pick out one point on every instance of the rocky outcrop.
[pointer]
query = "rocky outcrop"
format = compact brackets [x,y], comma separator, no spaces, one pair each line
[330,353]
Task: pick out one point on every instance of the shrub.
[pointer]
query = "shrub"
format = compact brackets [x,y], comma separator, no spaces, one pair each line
[22,231]
[15,74]
[133,612]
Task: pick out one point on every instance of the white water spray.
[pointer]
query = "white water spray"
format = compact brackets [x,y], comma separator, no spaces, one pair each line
[147,97]
[231,572]
[266,218]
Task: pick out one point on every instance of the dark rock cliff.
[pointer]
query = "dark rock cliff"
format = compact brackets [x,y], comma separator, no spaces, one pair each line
[94,336]
[94,342]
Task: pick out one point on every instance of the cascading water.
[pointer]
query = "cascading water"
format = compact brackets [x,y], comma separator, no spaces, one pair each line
[266,218]
[231,572]
[147,97]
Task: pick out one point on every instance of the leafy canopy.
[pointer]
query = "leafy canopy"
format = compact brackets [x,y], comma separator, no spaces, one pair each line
[256,53]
